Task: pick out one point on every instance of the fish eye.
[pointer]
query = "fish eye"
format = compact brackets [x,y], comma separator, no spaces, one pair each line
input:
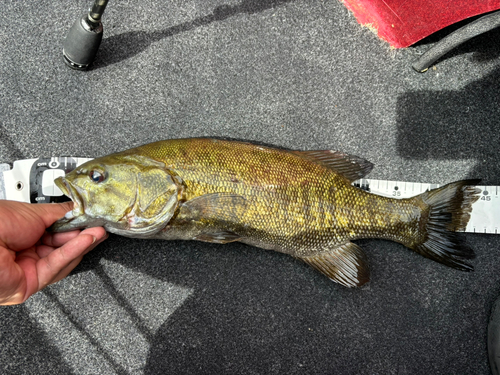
[97,176]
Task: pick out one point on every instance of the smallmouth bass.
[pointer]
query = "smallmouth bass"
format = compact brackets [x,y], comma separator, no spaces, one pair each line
[300,203]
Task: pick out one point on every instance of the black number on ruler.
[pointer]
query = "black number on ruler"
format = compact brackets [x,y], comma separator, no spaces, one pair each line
[485,196]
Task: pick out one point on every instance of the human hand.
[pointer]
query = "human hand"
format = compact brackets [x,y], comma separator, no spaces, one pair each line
[30,257]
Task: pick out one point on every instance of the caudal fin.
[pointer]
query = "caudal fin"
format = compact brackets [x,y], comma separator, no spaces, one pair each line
[448,212]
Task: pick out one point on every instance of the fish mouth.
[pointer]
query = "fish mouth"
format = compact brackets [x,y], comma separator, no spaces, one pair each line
[72,194]
[77,218]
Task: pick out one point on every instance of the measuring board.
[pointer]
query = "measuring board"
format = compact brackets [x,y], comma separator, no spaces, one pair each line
[485,216]
[32,181]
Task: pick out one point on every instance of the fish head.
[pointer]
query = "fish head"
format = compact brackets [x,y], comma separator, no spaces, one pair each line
[130,195]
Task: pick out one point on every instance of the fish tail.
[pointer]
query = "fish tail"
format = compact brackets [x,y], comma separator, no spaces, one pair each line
[447,211]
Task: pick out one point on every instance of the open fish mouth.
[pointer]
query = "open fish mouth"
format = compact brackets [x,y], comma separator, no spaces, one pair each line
[72,194]
[75,219]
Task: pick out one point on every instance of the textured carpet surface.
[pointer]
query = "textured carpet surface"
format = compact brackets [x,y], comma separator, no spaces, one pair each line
[298,74]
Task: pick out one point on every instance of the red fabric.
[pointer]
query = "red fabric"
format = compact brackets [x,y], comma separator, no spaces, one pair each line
[404,22]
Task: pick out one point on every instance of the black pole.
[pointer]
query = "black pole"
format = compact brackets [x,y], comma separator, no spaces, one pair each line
[97,10]
[475,28]
[84,37]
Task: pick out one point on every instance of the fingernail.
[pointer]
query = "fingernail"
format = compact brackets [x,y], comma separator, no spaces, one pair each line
[94,240]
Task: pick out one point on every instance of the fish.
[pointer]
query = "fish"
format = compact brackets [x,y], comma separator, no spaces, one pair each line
[301,203]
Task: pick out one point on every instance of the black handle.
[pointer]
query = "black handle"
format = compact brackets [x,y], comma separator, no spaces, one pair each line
[83,39]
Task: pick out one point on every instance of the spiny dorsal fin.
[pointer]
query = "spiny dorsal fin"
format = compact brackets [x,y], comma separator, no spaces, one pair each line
[349,166]
[345,264]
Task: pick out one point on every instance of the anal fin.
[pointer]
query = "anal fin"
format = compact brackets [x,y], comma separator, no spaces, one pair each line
[345,264]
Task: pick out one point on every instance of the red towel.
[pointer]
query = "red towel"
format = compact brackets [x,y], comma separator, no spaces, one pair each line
[404,22]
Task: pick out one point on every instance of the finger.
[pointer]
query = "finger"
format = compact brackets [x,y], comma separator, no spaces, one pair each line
[27,222]
[41,272]
[12,281]
[59,239]
[26,279]
[94,245]
[66,270]
[44,250]
[50,212]
[51,266]
[98,232]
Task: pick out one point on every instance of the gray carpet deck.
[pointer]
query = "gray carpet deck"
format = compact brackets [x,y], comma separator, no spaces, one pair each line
[298,74]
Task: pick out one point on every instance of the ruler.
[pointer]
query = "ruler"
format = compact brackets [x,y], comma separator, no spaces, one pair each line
[32,181]
[485,216]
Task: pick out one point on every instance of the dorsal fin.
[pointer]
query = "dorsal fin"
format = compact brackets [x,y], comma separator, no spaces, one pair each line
[349,166]
[345,264]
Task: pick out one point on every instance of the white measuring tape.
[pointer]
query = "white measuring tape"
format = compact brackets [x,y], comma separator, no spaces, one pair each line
[485,216]
[32,180]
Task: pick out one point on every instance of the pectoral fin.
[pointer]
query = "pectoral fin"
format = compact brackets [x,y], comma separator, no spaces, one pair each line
[226,207]
[213,211]
[345,264]
[221,237]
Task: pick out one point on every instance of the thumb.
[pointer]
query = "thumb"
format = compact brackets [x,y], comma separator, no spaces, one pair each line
[50,212]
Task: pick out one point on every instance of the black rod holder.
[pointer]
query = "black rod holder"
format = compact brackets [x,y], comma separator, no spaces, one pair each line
[83,39]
